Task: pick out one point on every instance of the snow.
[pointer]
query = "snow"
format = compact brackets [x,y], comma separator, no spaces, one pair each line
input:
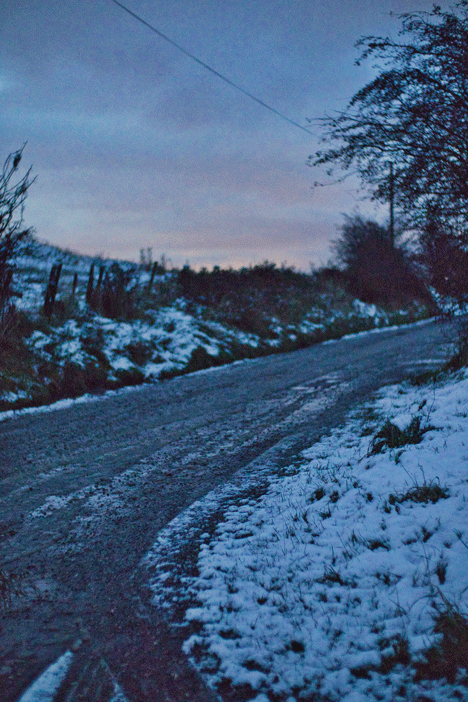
[175,350]
[382,330]
[160,343]
[365,308]
[307,591]
[46,686]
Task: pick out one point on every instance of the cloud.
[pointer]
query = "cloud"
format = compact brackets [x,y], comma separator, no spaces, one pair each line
[134,144]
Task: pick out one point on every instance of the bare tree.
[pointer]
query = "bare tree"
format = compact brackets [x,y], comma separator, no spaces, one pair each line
[411,120]
[12,199]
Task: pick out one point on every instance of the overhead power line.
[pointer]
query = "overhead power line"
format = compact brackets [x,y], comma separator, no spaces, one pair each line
[212,70]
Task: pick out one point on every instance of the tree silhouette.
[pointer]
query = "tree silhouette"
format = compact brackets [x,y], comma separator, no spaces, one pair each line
[12,199]
[414,114]
[376,270]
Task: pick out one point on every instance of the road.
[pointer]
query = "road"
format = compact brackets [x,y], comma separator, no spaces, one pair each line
[85,490]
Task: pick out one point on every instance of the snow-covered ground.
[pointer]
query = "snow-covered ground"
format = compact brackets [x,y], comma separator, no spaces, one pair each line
[164,343]
[350,567]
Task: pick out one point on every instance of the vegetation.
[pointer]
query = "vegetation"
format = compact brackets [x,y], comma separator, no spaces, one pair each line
[12,199]
[405,134]
[450,654]
[428,492]
[229,315]
[375,269]
[251,298]
[444,257]
[391,436]
[57,348]
[115,295]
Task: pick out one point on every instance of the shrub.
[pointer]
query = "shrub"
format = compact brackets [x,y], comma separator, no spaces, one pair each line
[129,376]
[376,270]
[74,380]
[140,352]
[200,359]
[250,298]
[115,294]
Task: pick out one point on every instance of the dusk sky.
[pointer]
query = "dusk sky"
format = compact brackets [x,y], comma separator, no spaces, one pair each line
[136,145]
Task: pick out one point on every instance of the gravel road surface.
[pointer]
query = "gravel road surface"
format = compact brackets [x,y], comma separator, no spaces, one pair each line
[85,490]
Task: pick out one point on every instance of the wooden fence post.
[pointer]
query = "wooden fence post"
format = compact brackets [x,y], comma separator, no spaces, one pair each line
[101,276]
[89,287]
[153,271]
[75,283]
[51,291]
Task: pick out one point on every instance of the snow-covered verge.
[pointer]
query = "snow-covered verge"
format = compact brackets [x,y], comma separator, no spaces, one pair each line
[79,350]
[347,580]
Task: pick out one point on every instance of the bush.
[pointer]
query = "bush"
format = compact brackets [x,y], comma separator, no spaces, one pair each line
[377,271]
[140,352]
[250,298]
[444,257]
[129,376]
[115,294]
[73,380]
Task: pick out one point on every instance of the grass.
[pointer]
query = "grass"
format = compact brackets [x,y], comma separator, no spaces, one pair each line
[399,654]
[450,653]
[391,436]
[425,493]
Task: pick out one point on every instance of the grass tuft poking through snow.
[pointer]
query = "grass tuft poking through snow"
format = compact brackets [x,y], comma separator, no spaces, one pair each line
[347,581]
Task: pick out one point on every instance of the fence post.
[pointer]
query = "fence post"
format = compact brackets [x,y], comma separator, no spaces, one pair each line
[75,283]
[89,287]
[153,272]
[51,291]
[101,275]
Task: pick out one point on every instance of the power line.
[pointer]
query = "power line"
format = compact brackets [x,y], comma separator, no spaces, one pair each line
[212,70]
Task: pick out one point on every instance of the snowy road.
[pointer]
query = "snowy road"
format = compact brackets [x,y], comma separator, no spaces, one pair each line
[84,491]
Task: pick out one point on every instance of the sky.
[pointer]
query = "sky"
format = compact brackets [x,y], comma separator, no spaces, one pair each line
[135,145]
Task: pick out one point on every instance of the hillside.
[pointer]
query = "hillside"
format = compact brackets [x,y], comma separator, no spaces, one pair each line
[144,323]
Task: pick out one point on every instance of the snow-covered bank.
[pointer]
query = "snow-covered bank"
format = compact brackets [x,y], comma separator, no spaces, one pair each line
[91,352]
[88,397]
[158,326]
[348,579]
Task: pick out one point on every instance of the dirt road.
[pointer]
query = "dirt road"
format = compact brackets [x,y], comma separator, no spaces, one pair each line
[85,490]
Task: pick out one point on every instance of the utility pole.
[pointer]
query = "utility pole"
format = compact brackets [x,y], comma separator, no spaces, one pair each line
[392,204]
